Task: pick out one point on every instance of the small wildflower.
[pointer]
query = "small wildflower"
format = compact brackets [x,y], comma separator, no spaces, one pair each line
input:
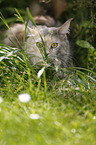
[34,116]
[94,117]
[57,123]
[73,130]
[1,99]
[77,88]
[57,68]
[24,98]
[69,82]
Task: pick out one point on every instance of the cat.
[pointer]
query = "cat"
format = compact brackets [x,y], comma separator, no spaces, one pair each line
[54,40]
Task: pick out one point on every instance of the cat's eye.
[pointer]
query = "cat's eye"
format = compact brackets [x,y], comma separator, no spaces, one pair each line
[54,45]
[39,45]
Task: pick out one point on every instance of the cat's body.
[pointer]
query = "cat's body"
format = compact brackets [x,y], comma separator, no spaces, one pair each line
[54,38]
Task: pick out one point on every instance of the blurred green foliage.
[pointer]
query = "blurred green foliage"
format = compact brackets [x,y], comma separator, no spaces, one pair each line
[7,8]
[83,29]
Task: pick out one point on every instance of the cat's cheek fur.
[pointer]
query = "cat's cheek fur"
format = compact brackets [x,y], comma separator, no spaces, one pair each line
[34,55]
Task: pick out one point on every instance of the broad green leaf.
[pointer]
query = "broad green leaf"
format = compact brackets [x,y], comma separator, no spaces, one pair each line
[84,44]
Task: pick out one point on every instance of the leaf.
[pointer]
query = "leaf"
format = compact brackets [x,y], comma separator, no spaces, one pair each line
[30,17]
[40,72]
[84,44]
[4,21]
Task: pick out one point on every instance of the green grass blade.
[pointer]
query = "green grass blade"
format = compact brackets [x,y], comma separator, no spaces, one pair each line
[19,17]
[30,17]
[4,21]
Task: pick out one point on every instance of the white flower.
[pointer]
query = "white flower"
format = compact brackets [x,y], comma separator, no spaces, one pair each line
[40,72]
[34,116]
[57,123]
[77,88]
[57,68]
[73,130]
[24,98]
[1,99]
[94,117]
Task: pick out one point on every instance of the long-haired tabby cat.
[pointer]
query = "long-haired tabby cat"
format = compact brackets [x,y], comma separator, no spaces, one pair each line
[55,42]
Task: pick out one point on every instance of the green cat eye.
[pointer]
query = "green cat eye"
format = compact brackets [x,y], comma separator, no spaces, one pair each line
[54,45]
[39,45]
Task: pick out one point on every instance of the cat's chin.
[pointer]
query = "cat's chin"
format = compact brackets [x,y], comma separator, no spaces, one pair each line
[39,63]
[55,62]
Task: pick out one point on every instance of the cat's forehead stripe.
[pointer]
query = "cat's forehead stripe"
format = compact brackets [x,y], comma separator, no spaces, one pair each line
[45,30]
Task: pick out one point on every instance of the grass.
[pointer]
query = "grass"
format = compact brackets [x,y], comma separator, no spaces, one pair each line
[67,118]
[65,108]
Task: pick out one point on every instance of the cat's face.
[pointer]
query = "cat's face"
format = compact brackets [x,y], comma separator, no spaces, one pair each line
[55,41]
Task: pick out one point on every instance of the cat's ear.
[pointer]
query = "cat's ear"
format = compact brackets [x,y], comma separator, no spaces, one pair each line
[65,27]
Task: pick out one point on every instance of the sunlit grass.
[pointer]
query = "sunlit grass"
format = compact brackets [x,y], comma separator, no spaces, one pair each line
[56,119]
[63,114]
